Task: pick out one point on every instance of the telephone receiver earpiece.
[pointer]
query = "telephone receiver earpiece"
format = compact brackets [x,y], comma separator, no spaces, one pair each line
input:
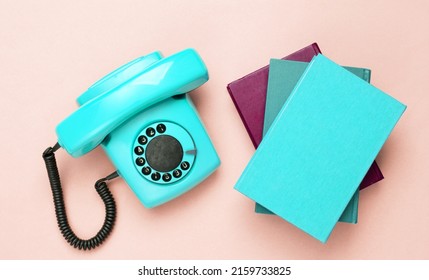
[119,76]
[111,101]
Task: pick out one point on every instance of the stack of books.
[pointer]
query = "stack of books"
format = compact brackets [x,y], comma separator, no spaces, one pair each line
[318,128]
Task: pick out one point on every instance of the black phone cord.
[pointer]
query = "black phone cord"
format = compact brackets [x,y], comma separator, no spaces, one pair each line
[60,211]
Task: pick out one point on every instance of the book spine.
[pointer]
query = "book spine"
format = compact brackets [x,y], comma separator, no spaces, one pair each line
[316,48]
[367,75]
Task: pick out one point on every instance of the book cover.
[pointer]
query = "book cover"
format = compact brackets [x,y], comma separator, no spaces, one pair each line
[283,76]
[329,121]
[249,94]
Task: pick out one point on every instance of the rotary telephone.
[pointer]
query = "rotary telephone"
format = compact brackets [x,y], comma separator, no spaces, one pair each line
[148,127]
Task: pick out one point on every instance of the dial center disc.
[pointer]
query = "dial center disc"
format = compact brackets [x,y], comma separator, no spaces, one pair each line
[164,153]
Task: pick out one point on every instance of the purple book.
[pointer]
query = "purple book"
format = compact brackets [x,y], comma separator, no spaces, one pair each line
[249,94]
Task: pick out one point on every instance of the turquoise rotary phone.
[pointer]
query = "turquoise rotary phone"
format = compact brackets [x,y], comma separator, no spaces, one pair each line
[147,125]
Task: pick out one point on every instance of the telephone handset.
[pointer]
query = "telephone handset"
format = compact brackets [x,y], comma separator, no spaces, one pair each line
[147,125]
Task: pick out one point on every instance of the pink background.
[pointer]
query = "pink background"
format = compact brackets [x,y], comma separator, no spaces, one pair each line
[51,51]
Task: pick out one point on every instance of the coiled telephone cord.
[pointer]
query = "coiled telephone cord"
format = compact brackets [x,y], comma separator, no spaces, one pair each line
[60,211]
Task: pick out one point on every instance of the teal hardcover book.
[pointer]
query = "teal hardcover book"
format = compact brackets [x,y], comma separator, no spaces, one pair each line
[283,76]
[319,147]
